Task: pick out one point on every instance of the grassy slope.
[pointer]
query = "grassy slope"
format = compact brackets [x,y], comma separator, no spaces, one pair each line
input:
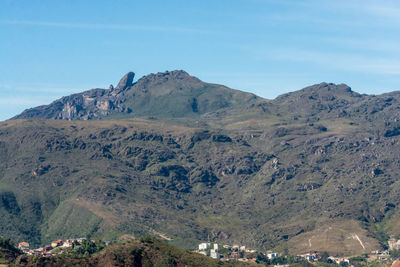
[107,188]
[281,175]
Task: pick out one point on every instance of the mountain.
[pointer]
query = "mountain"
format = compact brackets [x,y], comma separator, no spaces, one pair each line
[315,169]
[168,94]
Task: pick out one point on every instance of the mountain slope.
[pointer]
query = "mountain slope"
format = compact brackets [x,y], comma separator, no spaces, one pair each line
[317,164]
[67,179]
[169,94]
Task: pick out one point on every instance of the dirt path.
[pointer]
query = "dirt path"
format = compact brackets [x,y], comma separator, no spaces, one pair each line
[355,236]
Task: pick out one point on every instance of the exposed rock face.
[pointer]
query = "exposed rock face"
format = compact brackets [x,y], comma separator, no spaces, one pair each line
[126,81]
[92,104]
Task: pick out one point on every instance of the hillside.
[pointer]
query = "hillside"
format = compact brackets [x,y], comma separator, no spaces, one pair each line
[315,169]
[8,252]
[144,252]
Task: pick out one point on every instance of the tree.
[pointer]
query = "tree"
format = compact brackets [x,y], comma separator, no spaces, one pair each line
[395,253]
[8,244]
[324,257]
[89,247]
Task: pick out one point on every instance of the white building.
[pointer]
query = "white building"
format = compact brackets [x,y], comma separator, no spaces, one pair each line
[394,244]
[67,243]
[214,254]
[204,246]
[272,255]
[309,256]
[216,246]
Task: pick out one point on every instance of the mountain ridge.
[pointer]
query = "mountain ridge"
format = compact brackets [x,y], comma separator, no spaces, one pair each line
[176,94]
[319,163]
[185,95]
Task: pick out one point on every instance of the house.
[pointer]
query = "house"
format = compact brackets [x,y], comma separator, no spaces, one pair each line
[67,243]
[272,255]
[309,256]
[340,260]
[24,246]
[235,247]
[57,243]
[80,240]
[216,246]
[394,244]
[242,248]
[204,246]
[384,253]
[214,254]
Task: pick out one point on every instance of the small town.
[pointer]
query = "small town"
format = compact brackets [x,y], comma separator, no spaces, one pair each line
[241,253]
[56,247]
[228,253]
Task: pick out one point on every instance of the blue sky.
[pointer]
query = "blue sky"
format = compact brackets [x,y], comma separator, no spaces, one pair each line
[50,49]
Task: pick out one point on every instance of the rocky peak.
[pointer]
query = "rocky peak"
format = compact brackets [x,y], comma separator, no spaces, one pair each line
[126,81]
[323,91]
[330,88]
[337,88]
[160,77]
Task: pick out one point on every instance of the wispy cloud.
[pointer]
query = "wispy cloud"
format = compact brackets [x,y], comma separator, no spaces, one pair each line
[350,13]
[100,26]
[369,9]
[387,10]
[334,60]
[39,89]
[11,106]
[366,44]
[24,101]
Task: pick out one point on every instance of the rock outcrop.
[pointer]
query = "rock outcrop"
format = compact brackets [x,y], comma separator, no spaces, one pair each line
[126,81]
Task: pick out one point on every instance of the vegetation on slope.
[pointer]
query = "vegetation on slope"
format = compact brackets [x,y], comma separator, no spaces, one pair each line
[262,173]
[143,252]
[8,251]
